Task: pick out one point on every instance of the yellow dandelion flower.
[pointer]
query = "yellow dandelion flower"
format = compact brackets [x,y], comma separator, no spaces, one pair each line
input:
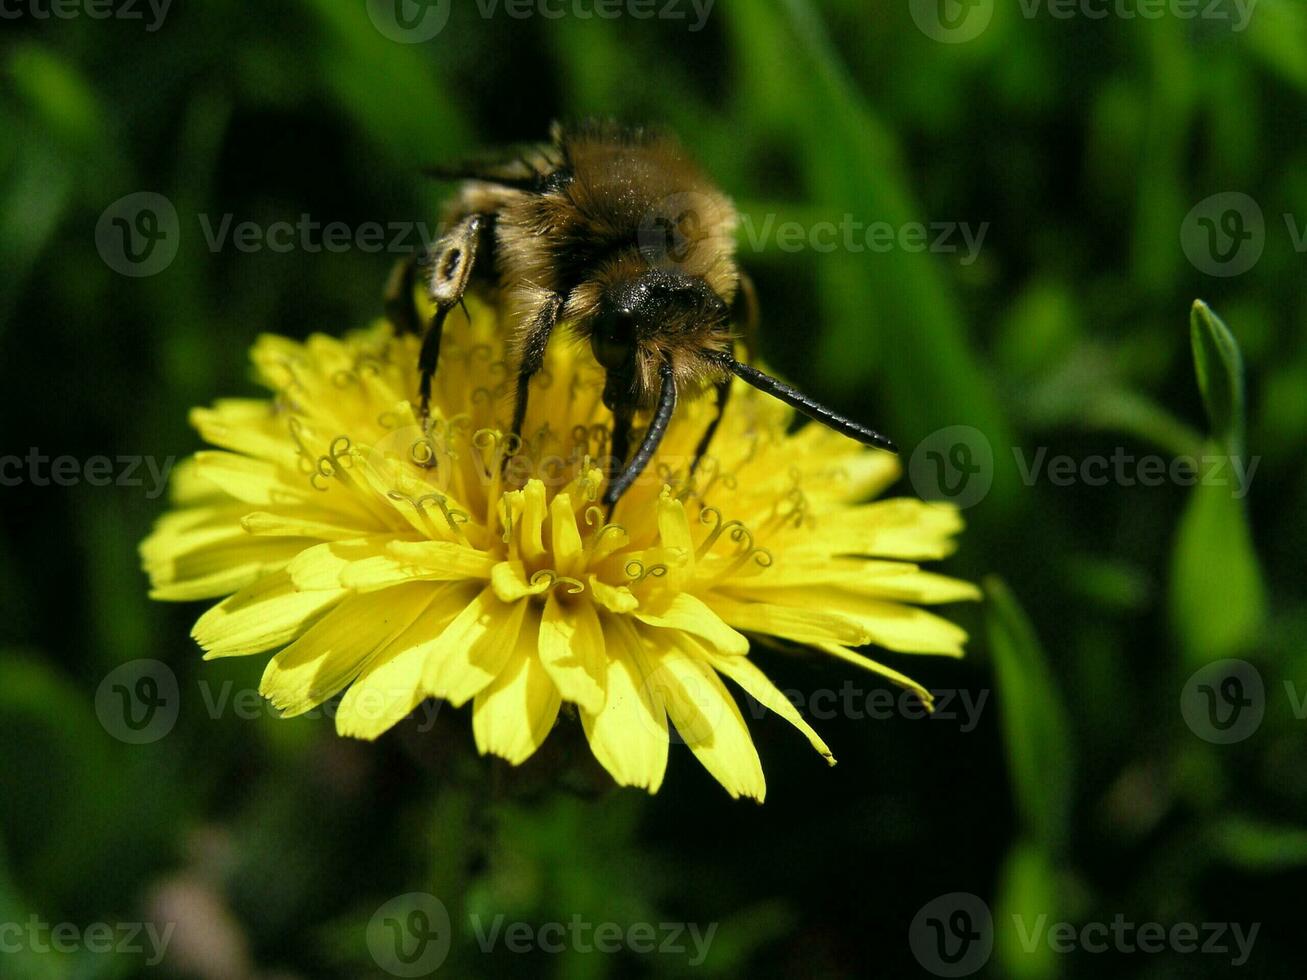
[394,561]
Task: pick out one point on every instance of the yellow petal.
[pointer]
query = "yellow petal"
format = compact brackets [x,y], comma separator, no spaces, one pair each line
[876,667]
[433,561]
[689,614]
[337,646]
[618,599]
[895,626]
[508,579]
[267,614]
[324,525]
[629,735]
[572,650]
[897,528]
[705,715]
[451,560]
[253,481]
[249,426]
[906,585]
[674,532]
[532,522]
[802,625]
[204,554]
[321,566]
[512,716]
[473,649]
[566,539]
[390,686]
[744,672]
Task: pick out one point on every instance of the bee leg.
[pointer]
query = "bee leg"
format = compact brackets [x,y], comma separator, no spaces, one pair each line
[533,355]
[398,302]
[450,263]
[619,447]
[653,437]
[723,393]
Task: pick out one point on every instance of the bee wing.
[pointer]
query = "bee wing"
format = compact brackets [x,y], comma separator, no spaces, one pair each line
[524,167]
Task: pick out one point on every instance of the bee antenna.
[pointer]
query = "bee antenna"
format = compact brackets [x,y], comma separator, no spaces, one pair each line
[814,410]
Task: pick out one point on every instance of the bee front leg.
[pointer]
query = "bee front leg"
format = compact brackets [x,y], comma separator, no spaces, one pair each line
[533,355]
[618,484]
[449,263]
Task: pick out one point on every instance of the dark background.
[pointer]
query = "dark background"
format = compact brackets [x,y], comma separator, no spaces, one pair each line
[1081,144]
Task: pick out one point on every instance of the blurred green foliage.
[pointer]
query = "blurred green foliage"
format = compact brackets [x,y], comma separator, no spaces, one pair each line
[1080,144]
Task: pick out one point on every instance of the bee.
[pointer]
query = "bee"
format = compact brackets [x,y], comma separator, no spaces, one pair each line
[617,234]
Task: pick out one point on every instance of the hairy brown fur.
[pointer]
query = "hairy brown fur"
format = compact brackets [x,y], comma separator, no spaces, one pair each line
[594,210]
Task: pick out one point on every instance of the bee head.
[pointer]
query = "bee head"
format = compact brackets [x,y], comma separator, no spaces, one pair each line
[655,317]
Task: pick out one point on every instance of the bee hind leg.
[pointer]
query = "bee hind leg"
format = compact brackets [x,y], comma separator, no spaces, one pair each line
[744,314]
[398,300]
[723,393]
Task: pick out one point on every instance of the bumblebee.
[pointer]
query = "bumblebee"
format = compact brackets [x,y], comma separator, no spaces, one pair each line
[616,233]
